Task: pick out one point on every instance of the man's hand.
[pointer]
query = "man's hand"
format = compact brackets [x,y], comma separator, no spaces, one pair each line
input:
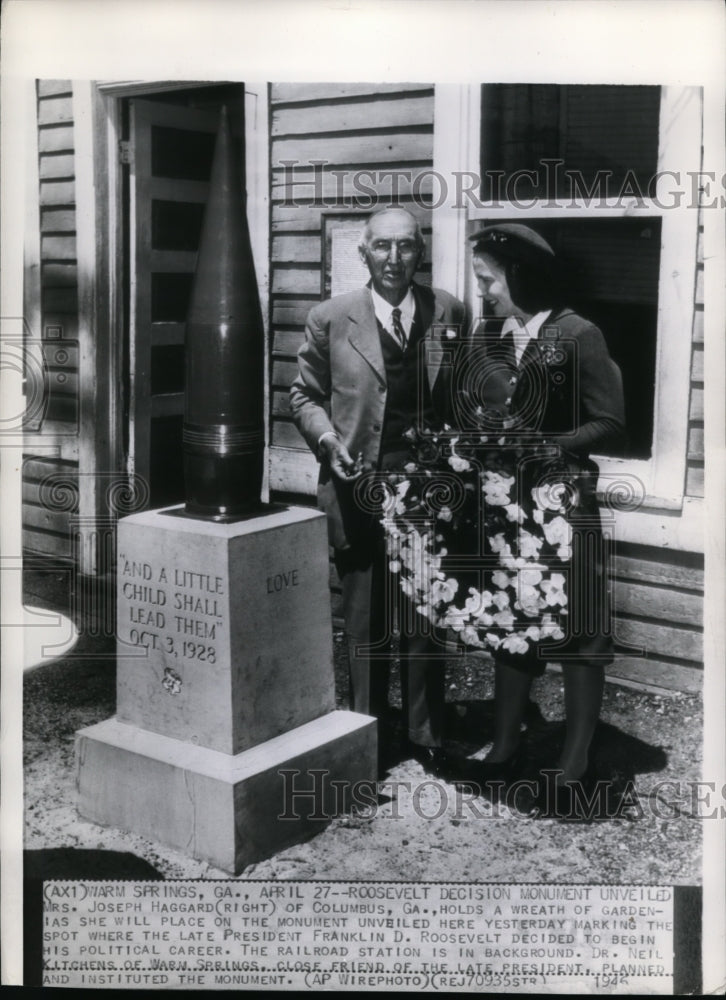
[339,459]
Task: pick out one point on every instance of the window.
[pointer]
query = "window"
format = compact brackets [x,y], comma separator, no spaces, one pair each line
[605,173]
[559,133]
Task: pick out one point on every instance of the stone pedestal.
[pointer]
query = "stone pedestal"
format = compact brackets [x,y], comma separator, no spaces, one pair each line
[225,685]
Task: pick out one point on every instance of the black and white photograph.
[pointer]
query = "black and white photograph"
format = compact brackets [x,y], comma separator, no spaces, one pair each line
[363,462]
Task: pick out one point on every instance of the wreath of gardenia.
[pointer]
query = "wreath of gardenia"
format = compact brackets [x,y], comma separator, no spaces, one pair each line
[433,507]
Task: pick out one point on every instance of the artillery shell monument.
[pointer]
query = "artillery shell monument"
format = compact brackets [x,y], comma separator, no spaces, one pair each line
[225,685]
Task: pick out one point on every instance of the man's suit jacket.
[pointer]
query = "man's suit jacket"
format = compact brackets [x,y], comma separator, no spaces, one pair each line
[341,386]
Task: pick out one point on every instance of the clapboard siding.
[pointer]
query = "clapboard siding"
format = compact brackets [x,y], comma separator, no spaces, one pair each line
[299,185]
[658,639]
[305,249]
[55,140]
[321,134]
[50,499]
[57,247]
[287,435]
[58,193]
[301,93]
[695,457]
[57,220]
[658,608]
[57,275]
[54,88]
[373,146]
[305,216]
[330,118]
[55,109]
[46,515]
[58,166]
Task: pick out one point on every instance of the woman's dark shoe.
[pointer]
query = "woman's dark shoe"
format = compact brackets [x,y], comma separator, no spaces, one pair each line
[490,777]
[434,760]
[501,770]
[580,800]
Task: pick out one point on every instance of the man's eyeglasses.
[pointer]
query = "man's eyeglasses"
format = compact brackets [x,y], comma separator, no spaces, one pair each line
[406,248]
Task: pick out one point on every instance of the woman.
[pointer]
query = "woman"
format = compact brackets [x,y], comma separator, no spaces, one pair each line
[550,381]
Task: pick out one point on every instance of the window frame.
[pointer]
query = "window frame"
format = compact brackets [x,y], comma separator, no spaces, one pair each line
[457,128]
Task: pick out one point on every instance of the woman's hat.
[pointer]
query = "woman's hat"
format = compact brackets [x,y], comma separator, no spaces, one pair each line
[513,241]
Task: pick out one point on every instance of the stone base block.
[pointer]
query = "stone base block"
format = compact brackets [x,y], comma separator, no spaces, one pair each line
[224,636]
[229,810]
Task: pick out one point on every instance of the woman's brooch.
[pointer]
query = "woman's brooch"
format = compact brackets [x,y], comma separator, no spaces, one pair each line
[551,353]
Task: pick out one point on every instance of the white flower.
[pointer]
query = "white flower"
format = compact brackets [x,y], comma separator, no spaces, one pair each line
[493,640]
[454,618]
[528,599]
[558,532]
[425,610]
[444,590]
[515,513]
[498,542]
[515,644]
[529,577]
[538,516]
[500,579]
[459,464]
[496,488]
[550,629]
[394,566]
[445,514]
[549,497]
[533,633]
[495,494]
[529,545]
[473,605]
[406,586]
[505,619]
[409,467]
[554,590]
[501,600]
[470,636]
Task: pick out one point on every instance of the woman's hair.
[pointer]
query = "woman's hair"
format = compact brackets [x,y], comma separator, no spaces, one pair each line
[528,261]
[533,285]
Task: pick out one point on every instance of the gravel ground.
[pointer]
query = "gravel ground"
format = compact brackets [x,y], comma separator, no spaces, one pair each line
[425,833]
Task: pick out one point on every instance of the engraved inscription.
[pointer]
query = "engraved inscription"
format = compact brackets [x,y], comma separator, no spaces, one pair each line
[196,597]
[281,581]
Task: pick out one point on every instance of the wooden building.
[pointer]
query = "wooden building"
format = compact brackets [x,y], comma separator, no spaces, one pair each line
[117,187]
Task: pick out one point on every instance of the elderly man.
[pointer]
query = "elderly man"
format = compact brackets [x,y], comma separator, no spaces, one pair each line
[368,370]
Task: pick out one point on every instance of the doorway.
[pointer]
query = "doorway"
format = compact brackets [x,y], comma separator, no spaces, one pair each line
[167,151]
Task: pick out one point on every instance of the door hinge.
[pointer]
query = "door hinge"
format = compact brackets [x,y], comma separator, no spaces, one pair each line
[125,152]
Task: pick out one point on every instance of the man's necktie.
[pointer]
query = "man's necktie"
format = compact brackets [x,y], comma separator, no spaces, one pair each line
[397,328]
